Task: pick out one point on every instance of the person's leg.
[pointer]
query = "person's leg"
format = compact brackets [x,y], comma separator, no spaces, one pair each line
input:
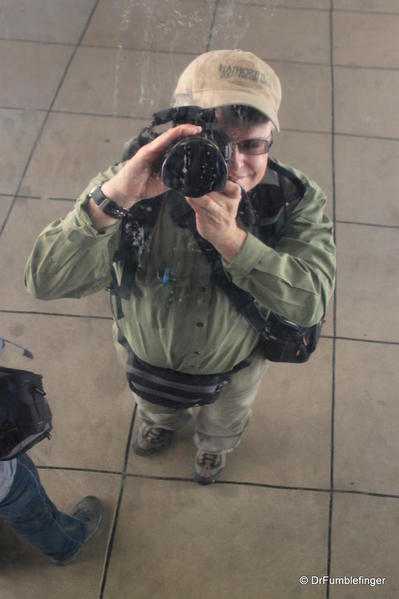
[161,416]
[30,512]
[220,426]
[158,424]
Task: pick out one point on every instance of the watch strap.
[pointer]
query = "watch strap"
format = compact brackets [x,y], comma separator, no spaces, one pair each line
[108,206]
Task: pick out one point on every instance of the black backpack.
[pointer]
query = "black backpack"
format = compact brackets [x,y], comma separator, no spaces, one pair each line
[25,416]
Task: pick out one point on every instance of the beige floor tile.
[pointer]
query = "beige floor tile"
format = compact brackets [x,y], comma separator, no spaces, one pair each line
[365,543]
[367,5]
[86,388]
[28,218]
[288,440]
[328,326]
[366,39]
[18,131]
[366,179]
[226,542]
[309,152]
[366,102]
[169,25]
[59,21]
[76,147]
[367,289]
[306,101]
[5,203]
[366,416]
[273,33]
[25,572]
[30,73]
[120,82]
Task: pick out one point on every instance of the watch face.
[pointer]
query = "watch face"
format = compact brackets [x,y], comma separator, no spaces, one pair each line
[98,195]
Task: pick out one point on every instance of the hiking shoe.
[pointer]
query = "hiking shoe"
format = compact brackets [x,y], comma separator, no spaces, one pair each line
[208,466]
[151,439]
[89,511]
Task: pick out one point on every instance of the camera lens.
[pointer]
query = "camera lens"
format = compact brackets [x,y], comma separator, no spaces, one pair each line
[194,166]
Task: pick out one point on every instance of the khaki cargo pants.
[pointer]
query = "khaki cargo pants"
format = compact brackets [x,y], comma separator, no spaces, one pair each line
[219,426]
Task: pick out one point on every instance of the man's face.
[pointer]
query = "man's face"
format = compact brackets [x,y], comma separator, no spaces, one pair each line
[245,169]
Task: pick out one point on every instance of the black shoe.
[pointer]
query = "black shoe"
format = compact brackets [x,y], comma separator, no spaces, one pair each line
[89,511]
[151,439]
[208,466]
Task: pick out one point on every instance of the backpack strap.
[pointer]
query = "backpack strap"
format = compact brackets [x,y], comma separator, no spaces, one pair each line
[243,301]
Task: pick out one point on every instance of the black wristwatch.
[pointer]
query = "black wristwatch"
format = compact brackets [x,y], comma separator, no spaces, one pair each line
[109,207]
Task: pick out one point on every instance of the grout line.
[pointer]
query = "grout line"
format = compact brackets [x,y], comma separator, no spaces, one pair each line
[359,340]
[212,26]
[62,199]
[381,342]
[366,493]
[187,53]
[272,6]
[266,486]
[317,9]
[29,41]
[359,67]
[229,482]
[103,115]
[21,197]
[142,50]
[23,108]
[147,118]
[75,469]
[361,136]
[109,318]
[118,506]
[361,224]
[367,12]
[224,482]
[244,4]
[334,348]
[41,129]
[37,313]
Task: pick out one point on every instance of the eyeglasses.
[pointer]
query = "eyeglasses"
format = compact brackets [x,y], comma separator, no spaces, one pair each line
[253,147]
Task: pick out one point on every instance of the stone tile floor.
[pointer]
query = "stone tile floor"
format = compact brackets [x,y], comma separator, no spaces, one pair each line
[313,490]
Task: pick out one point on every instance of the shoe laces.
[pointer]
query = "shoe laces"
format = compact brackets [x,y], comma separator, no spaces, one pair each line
[84,514]
[154,433]
[208,459]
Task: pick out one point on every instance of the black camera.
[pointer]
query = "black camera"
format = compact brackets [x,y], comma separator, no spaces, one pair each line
[193,165]
[197,164]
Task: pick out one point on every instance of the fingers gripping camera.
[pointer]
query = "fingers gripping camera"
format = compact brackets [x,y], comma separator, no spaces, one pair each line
[194,165]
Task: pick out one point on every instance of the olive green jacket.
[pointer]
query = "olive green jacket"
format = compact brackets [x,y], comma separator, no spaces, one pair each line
[175,316]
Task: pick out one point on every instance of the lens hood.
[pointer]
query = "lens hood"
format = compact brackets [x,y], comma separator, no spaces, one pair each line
[194,166]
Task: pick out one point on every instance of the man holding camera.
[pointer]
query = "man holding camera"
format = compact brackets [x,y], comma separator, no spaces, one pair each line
[180,261]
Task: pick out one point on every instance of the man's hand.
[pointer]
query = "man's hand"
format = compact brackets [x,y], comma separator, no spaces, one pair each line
[216,219]
[140,177]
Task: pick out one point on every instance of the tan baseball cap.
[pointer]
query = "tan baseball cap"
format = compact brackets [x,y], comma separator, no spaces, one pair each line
[225,77]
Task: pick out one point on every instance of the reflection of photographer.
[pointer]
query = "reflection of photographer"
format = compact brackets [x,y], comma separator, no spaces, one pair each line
[25,419]
[216,256]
